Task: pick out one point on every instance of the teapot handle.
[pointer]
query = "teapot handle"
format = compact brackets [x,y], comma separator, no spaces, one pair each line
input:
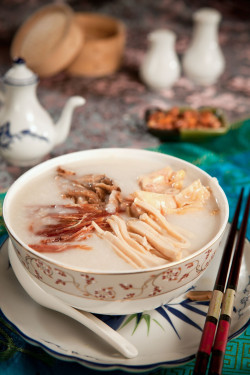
[2,95]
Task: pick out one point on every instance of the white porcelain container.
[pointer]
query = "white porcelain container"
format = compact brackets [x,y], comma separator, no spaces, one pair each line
[203,61]
[116,292]
[160,68]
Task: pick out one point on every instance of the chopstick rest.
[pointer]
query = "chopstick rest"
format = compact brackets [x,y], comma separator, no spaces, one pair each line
[213,314]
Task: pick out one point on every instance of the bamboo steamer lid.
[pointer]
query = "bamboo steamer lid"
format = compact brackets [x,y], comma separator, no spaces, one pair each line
[49,40]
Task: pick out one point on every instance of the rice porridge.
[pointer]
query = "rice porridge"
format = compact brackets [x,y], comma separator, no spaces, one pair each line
[116,214]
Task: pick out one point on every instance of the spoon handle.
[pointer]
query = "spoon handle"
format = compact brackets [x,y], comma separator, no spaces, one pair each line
[90,321]
[103,330]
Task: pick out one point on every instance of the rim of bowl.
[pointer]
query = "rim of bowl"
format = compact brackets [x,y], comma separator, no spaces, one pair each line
[76,156]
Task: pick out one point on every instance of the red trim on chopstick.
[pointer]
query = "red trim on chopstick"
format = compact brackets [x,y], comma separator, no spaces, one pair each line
[221,338]
[213,314]
[208,337]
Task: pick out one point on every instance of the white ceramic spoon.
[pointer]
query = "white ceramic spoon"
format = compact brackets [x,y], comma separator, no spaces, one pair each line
[54,303]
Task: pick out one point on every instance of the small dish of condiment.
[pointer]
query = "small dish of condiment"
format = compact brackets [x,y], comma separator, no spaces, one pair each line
[185,123]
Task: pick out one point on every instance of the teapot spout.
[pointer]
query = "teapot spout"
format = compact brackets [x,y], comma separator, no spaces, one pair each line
[62,127]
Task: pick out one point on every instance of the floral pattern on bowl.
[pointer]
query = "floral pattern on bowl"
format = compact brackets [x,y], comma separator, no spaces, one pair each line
[127,287]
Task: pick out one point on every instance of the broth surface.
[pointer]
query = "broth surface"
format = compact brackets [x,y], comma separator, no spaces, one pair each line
[124,171]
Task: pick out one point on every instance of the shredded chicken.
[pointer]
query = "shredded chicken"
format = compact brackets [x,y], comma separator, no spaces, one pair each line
[147,240]
[162,181]
[194,195]
[171,229]
[165,203]
[140,259]
[120,229]
[147,219]
[142,236]
[157,241]
[191,198]
[141,240]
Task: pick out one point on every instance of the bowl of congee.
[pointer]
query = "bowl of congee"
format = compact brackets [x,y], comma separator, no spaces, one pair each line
[115,231]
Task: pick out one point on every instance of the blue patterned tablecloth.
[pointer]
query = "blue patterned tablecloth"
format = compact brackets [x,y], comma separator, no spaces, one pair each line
[228,159]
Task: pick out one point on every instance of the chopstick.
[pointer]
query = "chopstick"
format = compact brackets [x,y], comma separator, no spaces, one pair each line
[220,343]
[214,309]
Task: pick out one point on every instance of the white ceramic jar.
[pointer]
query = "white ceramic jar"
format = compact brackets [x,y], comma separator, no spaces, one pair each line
[160,68]
[203,61]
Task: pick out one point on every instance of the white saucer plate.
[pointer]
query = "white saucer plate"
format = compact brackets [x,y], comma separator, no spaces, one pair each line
[165,337]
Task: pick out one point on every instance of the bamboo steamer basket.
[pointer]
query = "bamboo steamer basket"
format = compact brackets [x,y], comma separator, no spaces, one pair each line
[102,50]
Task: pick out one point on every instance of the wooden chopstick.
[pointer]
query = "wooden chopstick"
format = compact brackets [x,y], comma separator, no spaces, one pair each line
[220,342]
[213,314]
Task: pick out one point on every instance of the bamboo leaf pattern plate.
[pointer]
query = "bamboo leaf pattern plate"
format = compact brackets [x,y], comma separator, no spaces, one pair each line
[165,337]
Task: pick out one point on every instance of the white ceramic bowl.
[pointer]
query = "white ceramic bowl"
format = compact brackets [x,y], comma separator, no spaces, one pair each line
[117,292]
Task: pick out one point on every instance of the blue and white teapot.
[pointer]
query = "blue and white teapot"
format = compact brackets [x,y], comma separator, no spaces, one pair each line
[27,132]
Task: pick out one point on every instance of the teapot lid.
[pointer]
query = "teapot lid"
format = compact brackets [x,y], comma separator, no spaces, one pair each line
[19,74]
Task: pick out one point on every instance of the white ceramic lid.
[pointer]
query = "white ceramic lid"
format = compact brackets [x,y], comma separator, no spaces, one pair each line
[209,15]
[162,34]
[19,74]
